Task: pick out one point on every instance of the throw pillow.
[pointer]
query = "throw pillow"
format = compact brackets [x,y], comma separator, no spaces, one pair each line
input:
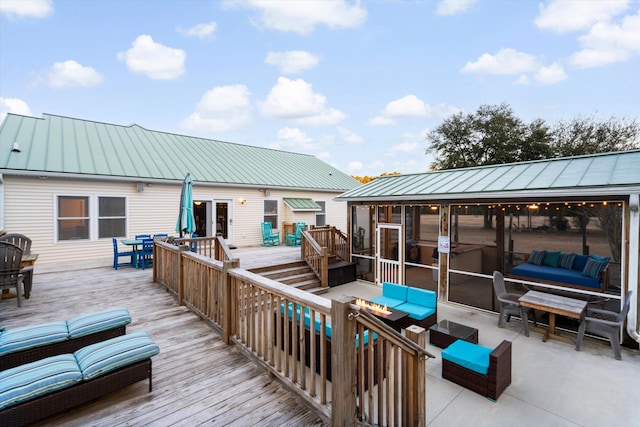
[594,268]
[551,259]
[601,258]
[536,257]
[566,260]
[579,261]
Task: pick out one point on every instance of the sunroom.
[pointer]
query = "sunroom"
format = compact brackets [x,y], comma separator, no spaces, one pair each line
[448,231]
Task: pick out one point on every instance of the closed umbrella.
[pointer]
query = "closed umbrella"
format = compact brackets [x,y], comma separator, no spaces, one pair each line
[186,221]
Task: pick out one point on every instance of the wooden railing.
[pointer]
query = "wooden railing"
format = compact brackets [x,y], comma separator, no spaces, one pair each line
[377,376]
[319,245]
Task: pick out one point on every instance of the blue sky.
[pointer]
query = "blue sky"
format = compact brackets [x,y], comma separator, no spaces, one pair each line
[357,84]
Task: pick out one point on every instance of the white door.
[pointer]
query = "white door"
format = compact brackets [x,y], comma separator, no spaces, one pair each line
[223,219]
[389,253]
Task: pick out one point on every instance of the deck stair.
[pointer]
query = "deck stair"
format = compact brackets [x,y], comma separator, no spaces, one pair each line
[296,274]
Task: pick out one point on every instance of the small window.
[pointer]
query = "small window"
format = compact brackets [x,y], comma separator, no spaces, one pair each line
[321,215]
[112,220]
[73,218]
[271,213]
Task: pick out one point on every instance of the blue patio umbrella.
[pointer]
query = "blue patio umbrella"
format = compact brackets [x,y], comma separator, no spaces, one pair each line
[186,220]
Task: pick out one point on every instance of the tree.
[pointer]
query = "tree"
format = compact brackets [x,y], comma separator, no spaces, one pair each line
[587,135]
[492,135]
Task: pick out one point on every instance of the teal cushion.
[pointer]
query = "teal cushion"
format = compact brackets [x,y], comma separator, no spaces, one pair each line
[416,311]
[471,356]
[551,259]
[32,336]
[35,379]
[536,257]
[594,268]
[566,260]
[100,358]
[95,322]
[422,297]
[389,302]
[395,291]
[601,258]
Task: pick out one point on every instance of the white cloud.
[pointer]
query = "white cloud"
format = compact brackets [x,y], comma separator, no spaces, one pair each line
[453,7]
[410,106]
[606,43]
[26,8]
[70,73]
[506,61]
[295,100]
[201,31]
[551,75]
[294,138]
[350,137]
[522,80]
[324,155]
[303,16]
[292,61]
[156,61]
[562,16]
[221,109]
[13,105]
[354,167]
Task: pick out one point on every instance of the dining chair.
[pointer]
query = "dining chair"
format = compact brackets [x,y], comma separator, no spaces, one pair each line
[605,323]
[509,304]
[24,243]
[10,277]
[142,236]
[145,253]
[117,254]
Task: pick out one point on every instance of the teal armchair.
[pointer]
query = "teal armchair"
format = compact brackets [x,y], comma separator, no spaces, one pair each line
[269,237]
[293,239]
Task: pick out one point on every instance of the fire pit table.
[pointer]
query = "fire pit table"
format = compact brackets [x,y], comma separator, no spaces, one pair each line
[446,332]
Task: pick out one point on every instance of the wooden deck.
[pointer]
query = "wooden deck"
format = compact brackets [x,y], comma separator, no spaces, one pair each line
[196,379]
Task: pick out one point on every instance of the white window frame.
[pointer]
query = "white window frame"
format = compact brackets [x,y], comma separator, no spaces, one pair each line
[93,200]
[269,214]
[322,213]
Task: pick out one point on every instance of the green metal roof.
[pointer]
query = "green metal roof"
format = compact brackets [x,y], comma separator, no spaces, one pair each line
[301,204]
[61,145]
[597,174]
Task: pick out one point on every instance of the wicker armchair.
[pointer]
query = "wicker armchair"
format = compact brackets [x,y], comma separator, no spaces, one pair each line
[491,384]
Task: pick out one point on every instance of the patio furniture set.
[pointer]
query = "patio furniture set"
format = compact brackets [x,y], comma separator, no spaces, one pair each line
[16,265]
[271,237]
[49,368]
[140,255]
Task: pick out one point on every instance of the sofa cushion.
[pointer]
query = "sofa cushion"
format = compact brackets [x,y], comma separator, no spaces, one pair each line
[551,259]
[395,291]
[536,257]
[566,260]
[106,356]
[96,322]
[416,311]
[553,274]
[600,258]
[471,356]
[389,302]
[579,262]
[594,268]
[423,297]
[26,337]
[37,378]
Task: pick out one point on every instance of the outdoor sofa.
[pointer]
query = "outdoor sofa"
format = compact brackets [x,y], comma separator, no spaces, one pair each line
[590,272]
[43,388]
[30,343]
[420,304]
[481,369]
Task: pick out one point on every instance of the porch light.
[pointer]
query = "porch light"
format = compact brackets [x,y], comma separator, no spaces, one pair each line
[242,201]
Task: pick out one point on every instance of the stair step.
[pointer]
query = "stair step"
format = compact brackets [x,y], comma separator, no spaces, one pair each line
[305,284]
[290,280]
[318,291]
[286,272]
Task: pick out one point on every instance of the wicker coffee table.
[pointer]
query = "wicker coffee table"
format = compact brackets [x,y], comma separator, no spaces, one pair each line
[445,332]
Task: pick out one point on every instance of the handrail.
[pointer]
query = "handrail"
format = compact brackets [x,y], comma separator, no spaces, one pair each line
[318,245]
[264,319]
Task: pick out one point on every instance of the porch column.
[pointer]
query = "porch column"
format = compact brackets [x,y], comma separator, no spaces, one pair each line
[443,261]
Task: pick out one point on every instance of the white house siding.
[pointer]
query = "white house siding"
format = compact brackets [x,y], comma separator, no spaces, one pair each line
[29,209]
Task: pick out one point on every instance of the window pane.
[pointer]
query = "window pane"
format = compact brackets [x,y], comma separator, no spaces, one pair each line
[111,206]
[271,212]
[321,215]
[112,228]
[73,218]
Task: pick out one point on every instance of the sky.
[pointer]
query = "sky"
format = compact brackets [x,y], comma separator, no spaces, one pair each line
[358,84]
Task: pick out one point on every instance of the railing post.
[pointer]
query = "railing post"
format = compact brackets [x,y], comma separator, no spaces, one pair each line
[227,302]
[181,248]
[324,268]
[414,375]
[343,364]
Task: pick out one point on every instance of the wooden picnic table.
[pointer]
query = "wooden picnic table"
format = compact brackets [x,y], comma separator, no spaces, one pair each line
[554,304]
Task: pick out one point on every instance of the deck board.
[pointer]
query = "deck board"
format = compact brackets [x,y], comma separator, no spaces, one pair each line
[197,380]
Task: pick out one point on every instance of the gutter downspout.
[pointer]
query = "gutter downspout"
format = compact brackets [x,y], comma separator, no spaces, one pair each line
[634,251]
